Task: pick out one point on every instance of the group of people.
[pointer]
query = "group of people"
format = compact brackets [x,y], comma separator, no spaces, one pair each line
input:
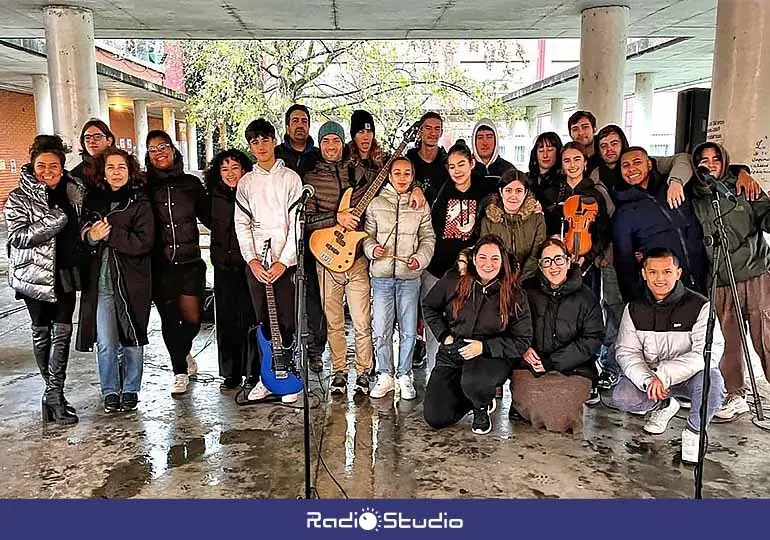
[461,249]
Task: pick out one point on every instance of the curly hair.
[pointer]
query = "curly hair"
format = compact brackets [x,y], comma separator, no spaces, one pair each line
[212,176]
[97,179]
[48,144]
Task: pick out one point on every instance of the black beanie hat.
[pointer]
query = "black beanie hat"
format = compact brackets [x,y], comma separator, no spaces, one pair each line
[361,120]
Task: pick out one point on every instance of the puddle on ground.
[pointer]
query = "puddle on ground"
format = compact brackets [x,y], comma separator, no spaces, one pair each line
[125,479]
[181,454]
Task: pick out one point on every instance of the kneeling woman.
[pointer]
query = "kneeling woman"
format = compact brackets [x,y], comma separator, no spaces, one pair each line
[549,386]
[483,326]
[115,303]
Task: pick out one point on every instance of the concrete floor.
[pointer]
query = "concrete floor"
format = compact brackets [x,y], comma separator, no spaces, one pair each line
[205,446]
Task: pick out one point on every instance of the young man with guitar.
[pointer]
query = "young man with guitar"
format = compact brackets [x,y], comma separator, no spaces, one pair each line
[344,185]
[264,214]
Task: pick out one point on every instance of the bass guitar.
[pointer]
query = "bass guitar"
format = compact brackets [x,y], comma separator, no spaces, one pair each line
[334,247]
[277,369]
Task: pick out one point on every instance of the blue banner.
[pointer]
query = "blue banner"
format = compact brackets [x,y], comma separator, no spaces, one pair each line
[289,519]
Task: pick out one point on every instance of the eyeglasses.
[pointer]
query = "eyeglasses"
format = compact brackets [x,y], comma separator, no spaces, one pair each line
[96,137]
[559,260]
[160,148]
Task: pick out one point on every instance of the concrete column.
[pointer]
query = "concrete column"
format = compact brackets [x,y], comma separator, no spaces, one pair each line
[603,37]
[169,123]
[644,90]
[739,117]
[557,115]
[532,123]
[69,40]
[209,144]
[43,112]
[141,128]
[104,106]
[192,146]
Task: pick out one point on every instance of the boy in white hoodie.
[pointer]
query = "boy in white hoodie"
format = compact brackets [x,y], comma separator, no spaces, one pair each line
[262,214]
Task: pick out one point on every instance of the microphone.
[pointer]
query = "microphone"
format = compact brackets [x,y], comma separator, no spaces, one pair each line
[307,192]
[718,185]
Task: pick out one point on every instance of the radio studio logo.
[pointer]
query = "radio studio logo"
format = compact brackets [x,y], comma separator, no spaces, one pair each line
[370,519]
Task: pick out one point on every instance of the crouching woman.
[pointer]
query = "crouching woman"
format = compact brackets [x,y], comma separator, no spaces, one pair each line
[115,303]
[554,378]
[483,326]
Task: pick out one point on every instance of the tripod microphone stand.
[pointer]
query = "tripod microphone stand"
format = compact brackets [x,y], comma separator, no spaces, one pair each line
[722,256]
[299,302]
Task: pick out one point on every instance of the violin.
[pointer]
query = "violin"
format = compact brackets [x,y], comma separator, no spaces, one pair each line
[579,213]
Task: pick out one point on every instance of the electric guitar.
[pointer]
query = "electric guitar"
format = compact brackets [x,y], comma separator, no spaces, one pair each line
[277,369]
[334,247]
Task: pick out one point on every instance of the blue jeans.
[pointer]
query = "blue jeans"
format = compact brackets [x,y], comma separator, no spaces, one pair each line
[111,355]
[627,397]
[394,300]
[612,304]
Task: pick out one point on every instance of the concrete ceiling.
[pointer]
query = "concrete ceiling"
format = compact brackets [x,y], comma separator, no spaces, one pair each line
[675,62]
[361,19]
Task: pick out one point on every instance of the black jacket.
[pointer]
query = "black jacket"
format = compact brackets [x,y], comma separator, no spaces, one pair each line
[299,162]
[429,176]
[643,220]
[178,201]
[479,318]
[130,245]
[568,325]
[225,252]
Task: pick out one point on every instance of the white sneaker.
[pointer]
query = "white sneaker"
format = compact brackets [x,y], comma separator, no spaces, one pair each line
[383,385]
[492,406]
[690,446]
[658,421]
[733,407]
[290,398]
[258,392]
[406,385]
[192,366]
[179,386]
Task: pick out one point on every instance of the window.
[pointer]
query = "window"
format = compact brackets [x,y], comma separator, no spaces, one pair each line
[520,154]
[659,150]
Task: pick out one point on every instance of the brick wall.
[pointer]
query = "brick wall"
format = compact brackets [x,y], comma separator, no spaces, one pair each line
[17,114]
[122,125]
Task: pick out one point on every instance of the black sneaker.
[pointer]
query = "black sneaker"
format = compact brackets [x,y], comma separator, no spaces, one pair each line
[515,417]
[230,383]
[420,356]
[315,364]
[339,383]
[362,384]
[482,424]
[593,397]
[129,401]
[607,380]
[111,403]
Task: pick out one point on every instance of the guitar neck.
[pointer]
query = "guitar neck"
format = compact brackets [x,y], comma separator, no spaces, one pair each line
[377,184]
[275,330]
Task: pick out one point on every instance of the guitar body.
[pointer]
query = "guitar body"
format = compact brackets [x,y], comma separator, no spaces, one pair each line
[334,247]
[280,386]
[579,214]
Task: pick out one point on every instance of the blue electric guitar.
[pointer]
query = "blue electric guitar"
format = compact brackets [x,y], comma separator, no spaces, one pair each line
[277,368]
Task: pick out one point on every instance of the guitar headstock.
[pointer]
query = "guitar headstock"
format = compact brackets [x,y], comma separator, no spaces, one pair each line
[412,133]
[265,258]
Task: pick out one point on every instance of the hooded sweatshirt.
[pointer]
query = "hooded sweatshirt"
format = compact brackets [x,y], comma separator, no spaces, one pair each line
[299,162]
[497,165]
[262,202]
[429,176]
[749,253]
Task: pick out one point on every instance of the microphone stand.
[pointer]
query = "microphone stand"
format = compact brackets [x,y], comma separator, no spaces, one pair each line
[722,256]
[299,302]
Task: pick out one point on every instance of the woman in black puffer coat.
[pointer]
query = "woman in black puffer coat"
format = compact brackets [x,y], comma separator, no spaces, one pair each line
[179,200]
[234,310]
[115,304]
[554,378]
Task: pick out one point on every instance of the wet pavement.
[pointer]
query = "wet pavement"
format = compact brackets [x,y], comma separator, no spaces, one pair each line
[204,445]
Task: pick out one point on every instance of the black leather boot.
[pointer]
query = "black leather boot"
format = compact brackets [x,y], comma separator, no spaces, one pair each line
[54,404]
[41,346]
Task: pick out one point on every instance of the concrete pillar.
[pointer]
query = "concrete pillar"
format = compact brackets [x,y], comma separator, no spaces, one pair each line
[557,115]
[532,123]
[141,128]
[208,141]
[603,37]
[739,117]
[644,90]
[43,112]
[192,146]
[69,40]
[104,106]
[169,123]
